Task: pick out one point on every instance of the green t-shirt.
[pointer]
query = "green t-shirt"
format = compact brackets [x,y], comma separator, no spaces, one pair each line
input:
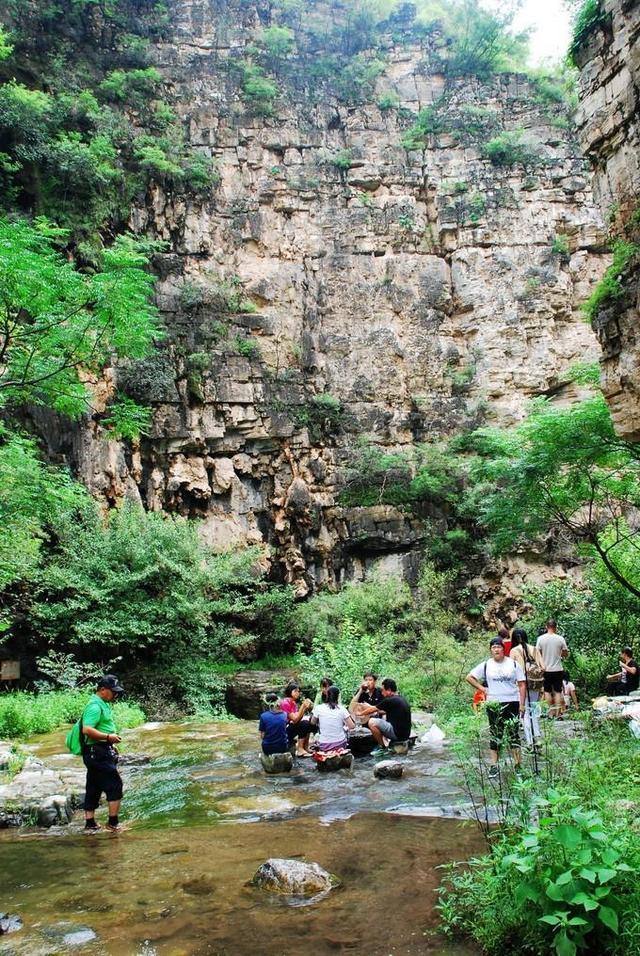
[98,714]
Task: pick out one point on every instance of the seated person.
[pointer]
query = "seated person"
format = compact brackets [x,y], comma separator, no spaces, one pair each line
[273,727]
[395,722]
[332,719]
[627,678]
[321,696]
[298,727]
[367,695]
[569,692]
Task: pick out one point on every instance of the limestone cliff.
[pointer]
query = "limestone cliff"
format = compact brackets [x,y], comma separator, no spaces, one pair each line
[609,128]
[336,284]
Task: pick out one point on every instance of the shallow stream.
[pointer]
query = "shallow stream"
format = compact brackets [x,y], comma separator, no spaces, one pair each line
[201,818]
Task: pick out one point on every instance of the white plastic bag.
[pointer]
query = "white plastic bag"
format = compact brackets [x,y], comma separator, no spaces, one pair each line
[433,736]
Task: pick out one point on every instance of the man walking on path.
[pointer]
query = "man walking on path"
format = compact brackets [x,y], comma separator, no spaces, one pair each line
[551,650]
[100,755]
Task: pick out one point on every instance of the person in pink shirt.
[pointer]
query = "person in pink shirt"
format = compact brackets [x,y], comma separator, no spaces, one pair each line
[298,725]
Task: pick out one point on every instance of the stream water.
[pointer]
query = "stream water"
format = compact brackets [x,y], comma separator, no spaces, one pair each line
[201,818]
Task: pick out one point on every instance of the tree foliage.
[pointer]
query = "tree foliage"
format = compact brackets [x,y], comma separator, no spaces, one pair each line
[58,324]
[563,469]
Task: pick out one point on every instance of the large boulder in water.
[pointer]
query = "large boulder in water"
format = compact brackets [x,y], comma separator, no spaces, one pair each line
[293,877]
[246,690]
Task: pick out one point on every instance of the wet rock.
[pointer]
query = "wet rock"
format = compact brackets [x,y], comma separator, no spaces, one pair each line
[69,934]
[6,751]
[388,770]
[399,747]
[134,760]
[337,762]
[9,923]
[200,886]
[41,794]
[246,690]
[361,741]
[276,763]
[293,877]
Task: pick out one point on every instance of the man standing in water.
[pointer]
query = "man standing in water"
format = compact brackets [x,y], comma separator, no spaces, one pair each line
[100,755]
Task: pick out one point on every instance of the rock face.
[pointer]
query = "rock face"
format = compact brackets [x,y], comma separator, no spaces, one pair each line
[293,877]
[336,284]
[246,691]
[608,123]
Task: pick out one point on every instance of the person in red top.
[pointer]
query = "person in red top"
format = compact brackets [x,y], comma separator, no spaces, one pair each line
[298,726]
[505,636]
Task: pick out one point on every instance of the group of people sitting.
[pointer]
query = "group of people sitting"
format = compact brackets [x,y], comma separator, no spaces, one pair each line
[290,722]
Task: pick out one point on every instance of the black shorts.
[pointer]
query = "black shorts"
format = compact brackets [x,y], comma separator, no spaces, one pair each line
[300,730]
[553,682]
[101,761]
[504,725]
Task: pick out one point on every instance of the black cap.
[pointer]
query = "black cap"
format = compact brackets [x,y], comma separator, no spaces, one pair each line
[110,681]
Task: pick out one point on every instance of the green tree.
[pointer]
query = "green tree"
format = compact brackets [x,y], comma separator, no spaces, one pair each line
[33,497]
[57,324]
[563,468]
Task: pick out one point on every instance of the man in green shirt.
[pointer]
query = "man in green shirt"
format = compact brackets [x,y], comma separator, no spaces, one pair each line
[100,755]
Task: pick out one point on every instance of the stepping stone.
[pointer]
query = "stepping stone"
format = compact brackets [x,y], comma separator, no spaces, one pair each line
[399,747]
[339,762]
[388,770]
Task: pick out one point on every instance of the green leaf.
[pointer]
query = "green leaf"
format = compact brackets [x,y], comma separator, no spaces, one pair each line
[578,921]
[582,899]
[605,874]
[555,893]
[551,920]
[589,875]
[564,946]
[609,917]
[564,878]
[567,836]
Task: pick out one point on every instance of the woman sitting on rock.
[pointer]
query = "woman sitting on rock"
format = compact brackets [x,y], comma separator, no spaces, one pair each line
[298,726]
[332,719]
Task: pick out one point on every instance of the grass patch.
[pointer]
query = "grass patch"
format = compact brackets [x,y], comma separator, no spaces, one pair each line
[23,713]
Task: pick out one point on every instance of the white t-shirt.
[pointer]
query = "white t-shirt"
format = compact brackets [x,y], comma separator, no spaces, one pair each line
[331,723]
[549,647]
[502,679]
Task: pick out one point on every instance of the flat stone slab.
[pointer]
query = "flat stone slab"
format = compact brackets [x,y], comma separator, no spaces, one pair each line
[39,794]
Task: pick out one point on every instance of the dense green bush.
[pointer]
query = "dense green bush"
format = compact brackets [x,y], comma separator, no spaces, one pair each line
[144,583]
[23,713]
[512,148]
[610,288]
[589,16]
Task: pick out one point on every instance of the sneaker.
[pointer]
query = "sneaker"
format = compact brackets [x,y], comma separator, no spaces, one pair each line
[378,752]
[493,772]
[114,828]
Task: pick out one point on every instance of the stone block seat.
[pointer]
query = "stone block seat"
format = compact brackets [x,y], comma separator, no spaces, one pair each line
[277,763]
[329,763]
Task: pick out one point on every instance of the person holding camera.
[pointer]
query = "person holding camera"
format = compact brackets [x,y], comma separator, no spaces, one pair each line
[99,753]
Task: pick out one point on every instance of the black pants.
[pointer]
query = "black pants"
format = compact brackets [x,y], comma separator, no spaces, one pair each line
[298,731]
[101,761]
[503,724]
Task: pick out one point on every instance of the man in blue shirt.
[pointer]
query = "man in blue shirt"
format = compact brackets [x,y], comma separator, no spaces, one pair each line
[273,727]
